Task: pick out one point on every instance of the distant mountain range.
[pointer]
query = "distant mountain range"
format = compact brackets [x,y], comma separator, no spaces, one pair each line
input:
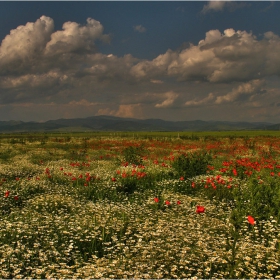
[109,123]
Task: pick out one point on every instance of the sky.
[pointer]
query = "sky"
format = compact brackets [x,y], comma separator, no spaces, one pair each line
[177,61]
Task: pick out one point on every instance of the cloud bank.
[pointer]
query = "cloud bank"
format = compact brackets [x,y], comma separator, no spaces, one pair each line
[220,57]
[39,65]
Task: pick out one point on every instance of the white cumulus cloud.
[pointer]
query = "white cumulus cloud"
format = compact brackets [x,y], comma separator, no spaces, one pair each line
[32,47]
[75,37]
[203,101]
[218,6]
[220,57]
[139,28]
[170,98]
[214,6]
[245,89]
[25,43]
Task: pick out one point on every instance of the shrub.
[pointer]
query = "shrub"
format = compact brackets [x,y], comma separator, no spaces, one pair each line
[262,199]
[191,164]
[133,155]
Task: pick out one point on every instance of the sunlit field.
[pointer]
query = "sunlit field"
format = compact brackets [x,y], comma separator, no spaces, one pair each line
[117,205]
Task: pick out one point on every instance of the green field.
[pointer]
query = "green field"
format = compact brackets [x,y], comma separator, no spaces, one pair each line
[146,134]
[140,205]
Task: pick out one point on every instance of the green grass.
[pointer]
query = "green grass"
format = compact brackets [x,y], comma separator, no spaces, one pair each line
[140,134]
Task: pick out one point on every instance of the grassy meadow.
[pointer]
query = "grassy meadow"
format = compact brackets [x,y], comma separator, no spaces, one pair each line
[140,205]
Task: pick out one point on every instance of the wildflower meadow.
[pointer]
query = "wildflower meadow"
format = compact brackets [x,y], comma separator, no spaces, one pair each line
[113,206]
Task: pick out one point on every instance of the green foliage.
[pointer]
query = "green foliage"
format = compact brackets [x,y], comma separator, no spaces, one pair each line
[6,155]
[19,140]
[130,183]
[192,164]
[133,155]
[261,199]
[127,185]
[221,193]
[98,192]
[183,187]
[9,203]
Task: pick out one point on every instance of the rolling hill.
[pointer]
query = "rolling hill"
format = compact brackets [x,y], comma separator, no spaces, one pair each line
[109,123]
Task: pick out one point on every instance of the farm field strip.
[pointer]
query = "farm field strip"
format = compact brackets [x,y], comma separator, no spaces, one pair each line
[150,206]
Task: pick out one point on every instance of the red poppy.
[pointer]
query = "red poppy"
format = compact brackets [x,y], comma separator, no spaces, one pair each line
[200,209]
[156,199]
[193,184]
[251,220]
[114,179]
[178,202]
[7,193]
[182,178]
[15,197]
[167,202]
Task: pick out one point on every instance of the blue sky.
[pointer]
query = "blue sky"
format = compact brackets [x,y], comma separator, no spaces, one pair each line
[182,60]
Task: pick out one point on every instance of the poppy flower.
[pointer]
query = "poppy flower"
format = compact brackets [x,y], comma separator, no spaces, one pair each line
[178,202]
[200,209]
[251,220]
[114,179]
[167,202]
[156,199]
[182,178]
[7,193]
[16,197]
